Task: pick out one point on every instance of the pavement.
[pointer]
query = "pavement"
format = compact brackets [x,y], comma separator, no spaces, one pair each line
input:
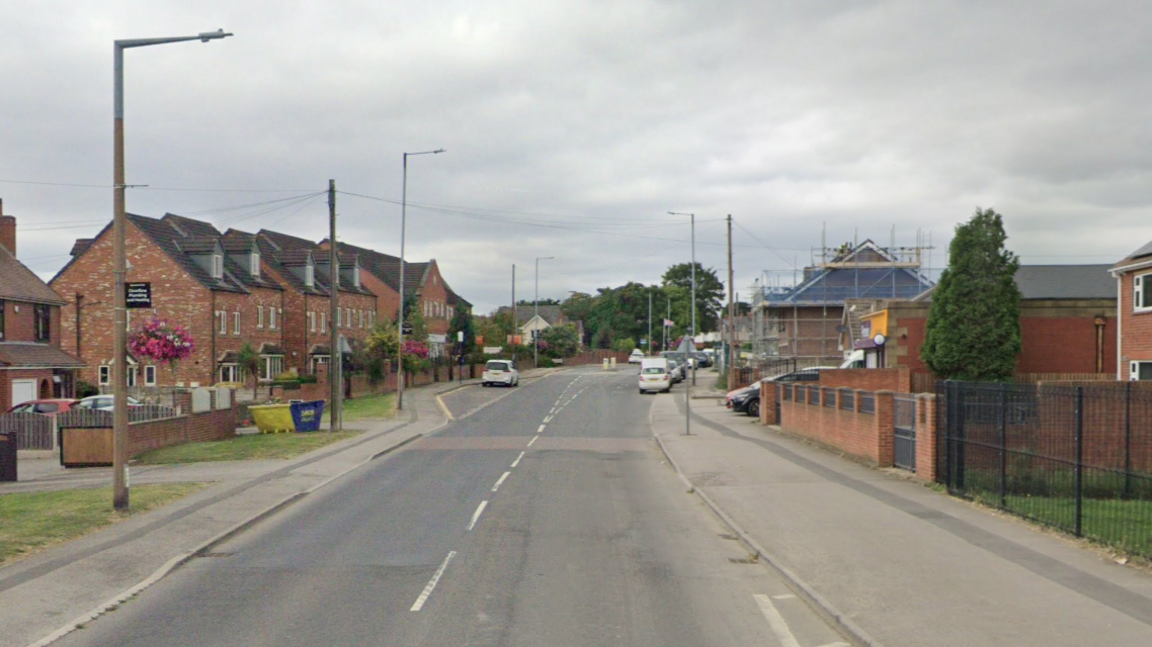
[887,559]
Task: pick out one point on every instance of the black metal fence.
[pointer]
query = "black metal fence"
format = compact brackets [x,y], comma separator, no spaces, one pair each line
[1075,457]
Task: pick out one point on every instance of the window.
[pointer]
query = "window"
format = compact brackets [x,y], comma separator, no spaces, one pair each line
[312,321]
[128,320]
[1142,292]
[272,366]
[217,266]
[309,276]
[323,322]
[230,373]
[348,318]
[131,376]
[272,318]
[360,314]
[254,264]
[105,377]
[356,276]
[339,317]
[43,322]
[149,375]
[2,319]
[1140,371]
[235,323]
[223,321]
[259,316]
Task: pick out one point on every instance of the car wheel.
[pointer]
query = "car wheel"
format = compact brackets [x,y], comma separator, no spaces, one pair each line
[754,408]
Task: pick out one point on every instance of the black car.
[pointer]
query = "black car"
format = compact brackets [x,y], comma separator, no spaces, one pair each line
[748,401]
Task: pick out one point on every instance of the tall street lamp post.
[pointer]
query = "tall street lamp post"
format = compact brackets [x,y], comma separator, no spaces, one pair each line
[693,335]
[400,321]
[536,307]
[120,264]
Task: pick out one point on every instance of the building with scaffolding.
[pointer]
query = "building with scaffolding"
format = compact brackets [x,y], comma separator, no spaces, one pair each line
[803,321]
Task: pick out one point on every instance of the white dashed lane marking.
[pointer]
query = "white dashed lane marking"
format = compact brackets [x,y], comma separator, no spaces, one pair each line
[497,486]
[476,515]
[432,583]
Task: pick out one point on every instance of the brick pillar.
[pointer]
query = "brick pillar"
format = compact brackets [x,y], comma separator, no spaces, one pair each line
[769,391]
[884,431]
[926,437]
[732,379]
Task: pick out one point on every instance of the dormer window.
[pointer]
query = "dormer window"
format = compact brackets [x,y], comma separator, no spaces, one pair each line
[254,264]
[217,266]
[309,275]
[356,276]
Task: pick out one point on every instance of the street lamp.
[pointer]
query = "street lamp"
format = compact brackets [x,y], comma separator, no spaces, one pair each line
[536,307]
[120,263]
[403,221]
[693,335]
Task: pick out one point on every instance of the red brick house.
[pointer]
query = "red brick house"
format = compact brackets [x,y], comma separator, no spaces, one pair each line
[221,294]
[435,300]
[1134,296]
[32,365]
[306,267]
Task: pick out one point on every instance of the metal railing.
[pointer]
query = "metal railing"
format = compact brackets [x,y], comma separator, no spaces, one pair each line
[1077,458]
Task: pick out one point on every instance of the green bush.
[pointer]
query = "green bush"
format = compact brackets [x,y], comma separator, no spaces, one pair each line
[308,379]
[85,389]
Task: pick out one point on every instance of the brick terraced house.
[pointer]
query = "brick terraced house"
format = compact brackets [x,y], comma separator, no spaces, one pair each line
[32,365]
[1134,302]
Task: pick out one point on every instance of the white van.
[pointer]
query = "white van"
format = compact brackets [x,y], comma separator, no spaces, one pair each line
[654,375]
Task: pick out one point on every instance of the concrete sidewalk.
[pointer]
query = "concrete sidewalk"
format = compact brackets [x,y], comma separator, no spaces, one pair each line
[53,589]
[900,563]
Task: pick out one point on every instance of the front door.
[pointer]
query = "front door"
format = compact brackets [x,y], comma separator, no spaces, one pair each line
[23,391]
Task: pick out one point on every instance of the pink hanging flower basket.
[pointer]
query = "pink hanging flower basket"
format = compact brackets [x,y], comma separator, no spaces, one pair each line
[160,342]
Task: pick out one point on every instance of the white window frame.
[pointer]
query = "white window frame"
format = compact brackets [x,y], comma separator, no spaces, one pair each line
[348,320]
[356,276]
[1134,369]
[323,322]
[360,316]
[267,364]
[104,375]
[223,321]
[254,264]
[235,323]
[309,276]
[339,317]
[150,375]
[217,266]
[131,376]
[1142,293]
[259,316]
[272,323]
[311,321]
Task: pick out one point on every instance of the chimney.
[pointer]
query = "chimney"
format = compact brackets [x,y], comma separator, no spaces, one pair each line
[7,231]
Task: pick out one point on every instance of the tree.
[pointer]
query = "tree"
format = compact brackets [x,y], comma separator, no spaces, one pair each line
[462,322]
[624,344]
[248,361]
[741,308]
[562,340]
[973,330]
[709,292]
[383,342]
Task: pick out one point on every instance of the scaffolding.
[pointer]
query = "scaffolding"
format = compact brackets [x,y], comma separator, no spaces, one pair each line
[799,314]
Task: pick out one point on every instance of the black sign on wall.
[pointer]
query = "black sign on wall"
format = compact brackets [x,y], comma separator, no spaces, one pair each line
[138,295]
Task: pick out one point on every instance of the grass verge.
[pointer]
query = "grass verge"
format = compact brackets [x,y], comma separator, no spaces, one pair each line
[245,448]
[34,521]
[368,407]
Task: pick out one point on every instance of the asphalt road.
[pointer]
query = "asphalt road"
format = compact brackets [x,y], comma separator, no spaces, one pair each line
[544,516]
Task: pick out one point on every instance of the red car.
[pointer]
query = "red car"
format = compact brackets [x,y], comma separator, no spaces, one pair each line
[50,406]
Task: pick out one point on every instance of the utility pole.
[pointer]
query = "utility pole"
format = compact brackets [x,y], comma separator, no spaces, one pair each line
[515,316]
[731,300]
[649,346]
[334,356]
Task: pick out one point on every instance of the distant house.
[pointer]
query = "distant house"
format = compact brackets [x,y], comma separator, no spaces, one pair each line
[532,321]
[1067,323]
[1134,290]
[32,365]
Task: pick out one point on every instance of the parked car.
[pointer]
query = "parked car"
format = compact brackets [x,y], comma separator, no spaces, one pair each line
[675,371]
[48,406]
[103,402]
[500,371]
[654,375]
[747,400]
[636,357]
[688,362]
[703,360]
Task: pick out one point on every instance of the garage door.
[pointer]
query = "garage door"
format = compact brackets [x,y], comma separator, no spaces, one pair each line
[23,391]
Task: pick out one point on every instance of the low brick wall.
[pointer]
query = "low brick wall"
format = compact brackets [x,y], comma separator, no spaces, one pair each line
[854,421]
[898,380]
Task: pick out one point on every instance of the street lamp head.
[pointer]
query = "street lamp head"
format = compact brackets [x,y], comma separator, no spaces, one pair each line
[213,35]
[438,151]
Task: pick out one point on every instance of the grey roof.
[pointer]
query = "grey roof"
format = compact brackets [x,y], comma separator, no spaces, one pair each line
[524,314]
[835,285]
[289,248]
[170,234]
[19,283]
[30,354]
[1139,254]
[1065,282]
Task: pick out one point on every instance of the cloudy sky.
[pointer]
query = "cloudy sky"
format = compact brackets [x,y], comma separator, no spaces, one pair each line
[573,126]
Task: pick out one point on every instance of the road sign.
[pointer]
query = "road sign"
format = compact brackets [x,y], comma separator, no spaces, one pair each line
[406,329]
[138,295]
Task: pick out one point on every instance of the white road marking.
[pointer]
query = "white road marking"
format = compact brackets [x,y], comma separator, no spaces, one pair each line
[540,430]
[837,644]
[532,441]
[497,486]
[432,583]
[788,596]
[547,419]
[776,621]
[517,461]
[476,515]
